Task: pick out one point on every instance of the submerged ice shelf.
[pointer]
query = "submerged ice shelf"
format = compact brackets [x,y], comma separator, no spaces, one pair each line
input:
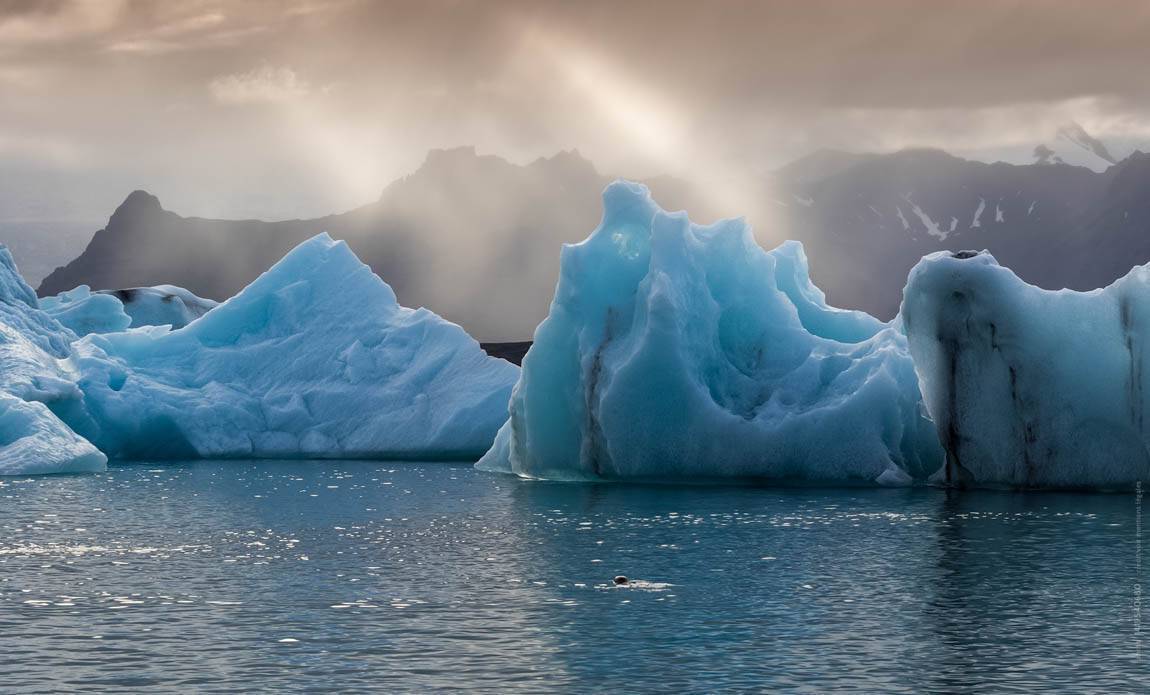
[676,351]
[314,359]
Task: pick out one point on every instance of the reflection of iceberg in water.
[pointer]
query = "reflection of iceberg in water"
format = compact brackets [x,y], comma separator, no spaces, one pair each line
[1033,572]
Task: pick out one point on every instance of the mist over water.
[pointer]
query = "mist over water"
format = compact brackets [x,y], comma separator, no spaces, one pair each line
[404,577]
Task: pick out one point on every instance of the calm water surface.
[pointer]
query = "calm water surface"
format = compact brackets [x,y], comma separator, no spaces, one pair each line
[222,577]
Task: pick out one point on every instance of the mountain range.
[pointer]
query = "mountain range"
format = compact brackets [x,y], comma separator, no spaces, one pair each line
[866,223]
[476,238]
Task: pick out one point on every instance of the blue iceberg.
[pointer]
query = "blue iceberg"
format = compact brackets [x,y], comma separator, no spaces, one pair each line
[84,312]
[676,351]
[34,441]
[1030,387]
[35,380]
[110,311]
[314,359]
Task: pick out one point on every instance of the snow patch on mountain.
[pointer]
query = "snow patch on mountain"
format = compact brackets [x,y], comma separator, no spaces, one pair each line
[977,221]
[1073,146]
[902,218]
[932,227]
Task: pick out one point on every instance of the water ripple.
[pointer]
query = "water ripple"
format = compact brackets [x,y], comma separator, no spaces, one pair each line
[358,577]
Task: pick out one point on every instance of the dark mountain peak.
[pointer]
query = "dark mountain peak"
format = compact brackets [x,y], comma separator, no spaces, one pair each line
[826,166]
[137,203]
[466,159]
[138,210]
[819,165]
[903,165]
[569,162]
[1132,171]
[924,154]
[572,156]
[445,167]
[1137,160]
[452,164]
[462,158]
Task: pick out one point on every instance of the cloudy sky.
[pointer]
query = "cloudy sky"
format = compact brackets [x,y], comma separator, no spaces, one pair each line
[281,108]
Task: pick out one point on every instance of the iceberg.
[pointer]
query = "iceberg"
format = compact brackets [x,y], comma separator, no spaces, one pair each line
[34,441]
[111,311]
[35,380]
[314,359]
[676,351]
[84,312]
[1030,387]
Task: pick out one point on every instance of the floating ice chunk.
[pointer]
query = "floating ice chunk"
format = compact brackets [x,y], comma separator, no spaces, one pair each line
[110,311]
[162,305]
[84,312]
[314,359]
[34,441]
[1030,387]
[678,351]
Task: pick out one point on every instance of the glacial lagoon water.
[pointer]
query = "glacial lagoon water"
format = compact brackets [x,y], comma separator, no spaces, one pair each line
[359,576]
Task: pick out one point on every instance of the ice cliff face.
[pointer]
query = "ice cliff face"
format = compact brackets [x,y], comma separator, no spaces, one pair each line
[678,351]
[1029,387]
[314,359]
[35,378]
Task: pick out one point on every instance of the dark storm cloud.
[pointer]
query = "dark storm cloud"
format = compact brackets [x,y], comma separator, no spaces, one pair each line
[11,8]
[233,107]
[837,53]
